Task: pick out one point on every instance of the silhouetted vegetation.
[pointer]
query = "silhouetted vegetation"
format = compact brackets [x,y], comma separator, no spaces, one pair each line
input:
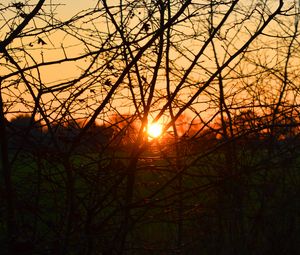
[243,202]
[79,91]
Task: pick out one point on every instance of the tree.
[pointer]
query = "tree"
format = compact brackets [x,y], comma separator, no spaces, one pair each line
[141,62]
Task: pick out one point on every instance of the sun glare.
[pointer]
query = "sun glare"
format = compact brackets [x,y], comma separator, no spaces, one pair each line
[154,130]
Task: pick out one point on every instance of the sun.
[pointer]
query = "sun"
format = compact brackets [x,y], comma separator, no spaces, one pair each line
[154,130]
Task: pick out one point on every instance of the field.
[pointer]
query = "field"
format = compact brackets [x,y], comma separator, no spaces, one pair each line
[228,199]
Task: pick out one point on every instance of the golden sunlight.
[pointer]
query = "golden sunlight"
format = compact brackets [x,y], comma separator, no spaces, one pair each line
[154,130]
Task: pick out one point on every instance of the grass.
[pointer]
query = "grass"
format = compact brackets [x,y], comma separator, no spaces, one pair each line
[217,209]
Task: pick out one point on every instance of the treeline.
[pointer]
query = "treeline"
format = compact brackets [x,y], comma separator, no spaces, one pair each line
[28,134]
[245,128]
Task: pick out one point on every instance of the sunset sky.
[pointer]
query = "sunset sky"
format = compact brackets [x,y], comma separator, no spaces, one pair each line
[187,40]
